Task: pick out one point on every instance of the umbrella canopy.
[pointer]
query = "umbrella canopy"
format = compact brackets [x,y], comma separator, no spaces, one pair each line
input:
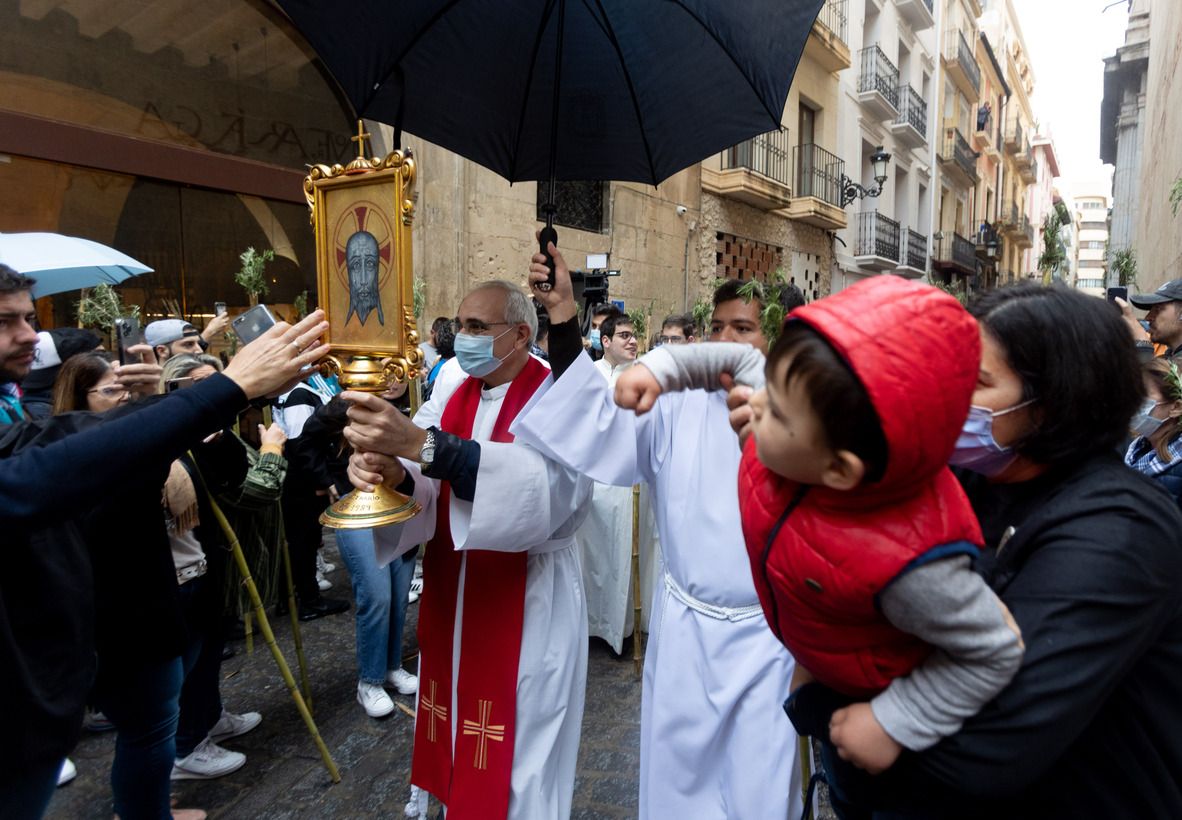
[645,88]
[62,263]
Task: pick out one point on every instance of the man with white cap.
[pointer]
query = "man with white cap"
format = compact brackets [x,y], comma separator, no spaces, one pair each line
[172,337]
[54,347]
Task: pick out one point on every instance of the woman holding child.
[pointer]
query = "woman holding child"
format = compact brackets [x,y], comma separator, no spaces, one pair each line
[1084,553]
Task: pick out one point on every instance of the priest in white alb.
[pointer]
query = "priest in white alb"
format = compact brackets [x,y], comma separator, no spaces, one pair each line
[502,620]
[715,743]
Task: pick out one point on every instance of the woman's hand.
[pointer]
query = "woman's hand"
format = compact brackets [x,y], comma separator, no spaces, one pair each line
[637,389]
[861,740]
[274,362]
[273,436]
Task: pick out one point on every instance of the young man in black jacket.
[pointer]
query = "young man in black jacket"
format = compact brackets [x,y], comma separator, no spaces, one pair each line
[51,472]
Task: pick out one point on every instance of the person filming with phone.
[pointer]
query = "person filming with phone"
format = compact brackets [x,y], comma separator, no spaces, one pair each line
[1164,317]
[47,612]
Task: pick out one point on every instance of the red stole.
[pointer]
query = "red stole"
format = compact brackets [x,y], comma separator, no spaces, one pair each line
[476,783]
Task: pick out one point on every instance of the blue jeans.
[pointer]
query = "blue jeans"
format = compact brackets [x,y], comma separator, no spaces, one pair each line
[142,699]
[381,594]
[26,796]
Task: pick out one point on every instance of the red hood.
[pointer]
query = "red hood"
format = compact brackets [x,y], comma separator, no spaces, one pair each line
[917,352]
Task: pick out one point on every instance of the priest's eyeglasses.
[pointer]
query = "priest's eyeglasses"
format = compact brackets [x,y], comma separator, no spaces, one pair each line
[475,327]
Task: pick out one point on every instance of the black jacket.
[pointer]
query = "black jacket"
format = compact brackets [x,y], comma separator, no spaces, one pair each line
[1092,724]
[53,471]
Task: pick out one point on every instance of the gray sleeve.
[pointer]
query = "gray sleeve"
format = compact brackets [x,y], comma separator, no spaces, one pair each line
[699,366]
[976,651]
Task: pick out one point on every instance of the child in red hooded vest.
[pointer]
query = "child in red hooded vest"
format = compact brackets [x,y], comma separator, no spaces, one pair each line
[860,538]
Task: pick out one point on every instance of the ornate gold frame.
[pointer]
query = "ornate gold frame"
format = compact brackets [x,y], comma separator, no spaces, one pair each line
[371,367]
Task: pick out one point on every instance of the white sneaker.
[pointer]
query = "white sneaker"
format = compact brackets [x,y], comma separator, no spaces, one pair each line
[374,700]
[207,761]
[416,590]
[67,773]
[322,566]
[323,582]
[230,725]
[403,681]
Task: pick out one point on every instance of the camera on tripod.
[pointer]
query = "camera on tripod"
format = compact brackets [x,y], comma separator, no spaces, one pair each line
[591,285]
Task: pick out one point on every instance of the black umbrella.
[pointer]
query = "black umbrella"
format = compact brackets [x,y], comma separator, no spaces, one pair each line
[630,90]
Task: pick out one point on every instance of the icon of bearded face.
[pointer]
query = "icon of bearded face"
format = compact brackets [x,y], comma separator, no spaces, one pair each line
[361,257]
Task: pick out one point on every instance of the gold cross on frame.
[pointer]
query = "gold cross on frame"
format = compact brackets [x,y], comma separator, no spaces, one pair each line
[362,136]
[435,711]
[484,733]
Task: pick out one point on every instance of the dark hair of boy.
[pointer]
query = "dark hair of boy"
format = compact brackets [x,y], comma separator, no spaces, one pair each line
[608,329]
[440,322]
[13,282]
[1046,332]
[837,397]
[791,297]
[605,309]
[445,339]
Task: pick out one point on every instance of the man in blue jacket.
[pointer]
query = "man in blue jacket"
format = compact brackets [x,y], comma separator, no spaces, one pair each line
[51,471]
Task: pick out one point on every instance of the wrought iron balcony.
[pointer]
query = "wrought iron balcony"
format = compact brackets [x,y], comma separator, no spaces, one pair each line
[962,65]
[911,125]
[827,42]
[917,251]
[1014,136]
[817,189]
[767,154]
[988,241]
[878,241]
[818,173]
[835,17]
[957,153]
[1027,234]
[1009,216]
[954,252]
[878,82]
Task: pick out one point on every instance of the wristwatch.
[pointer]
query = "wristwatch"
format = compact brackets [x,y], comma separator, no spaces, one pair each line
[427,454]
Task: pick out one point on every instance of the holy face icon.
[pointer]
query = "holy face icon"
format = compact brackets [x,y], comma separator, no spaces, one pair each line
[361,258]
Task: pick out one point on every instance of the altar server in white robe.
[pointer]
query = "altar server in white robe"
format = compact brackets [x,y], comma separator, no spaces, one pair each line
[605,537]
[715,742]
[503,621]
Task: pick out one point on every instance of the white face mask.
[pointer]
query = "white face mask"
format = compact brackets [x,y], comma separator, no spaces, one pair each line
[1143,423]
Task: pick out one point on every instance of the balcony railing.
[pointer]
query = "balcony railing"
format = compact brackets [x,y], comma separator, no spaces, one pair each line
[879,74]
[1009,215]
[1014,140]
[878,235]
[961,52]
[917,250]
[913,110]
[835,17]
[956,149]
[766,154]
[955,249]
[818,173]
[1028,231]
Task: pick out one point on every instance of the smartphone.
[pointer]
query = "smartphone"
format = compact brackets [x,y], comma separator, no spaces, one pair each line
[253,323]
[178,384]
[128,334]
[219,308]
[1115,292]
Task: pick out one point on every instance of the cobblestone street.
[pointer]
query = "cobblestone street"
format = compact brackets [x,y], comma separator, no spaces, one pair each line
[283,776]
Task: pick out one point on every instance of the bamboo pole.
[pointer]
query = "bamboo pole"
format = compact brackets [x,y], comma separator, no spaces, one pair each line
[248,629]
[637,638]
[269,638]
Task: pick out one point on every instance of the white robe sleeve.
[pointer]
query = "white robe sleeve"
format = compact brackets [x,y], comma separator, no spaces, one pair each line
[576,422]
[522,499]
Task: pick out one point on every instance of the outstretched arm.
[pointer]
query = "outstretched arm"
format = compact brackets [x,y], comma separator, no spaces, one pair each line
[689,367]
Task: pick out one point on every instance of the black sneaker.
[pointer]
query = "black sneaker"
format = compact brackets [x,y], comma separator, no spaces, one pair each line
[321,606]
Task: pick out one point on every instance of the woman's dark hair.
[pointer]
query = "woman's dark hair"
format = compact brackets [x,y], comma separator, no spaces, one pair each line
[440,321]
[836,395]
[445,340]
[76,378]
[1077,362]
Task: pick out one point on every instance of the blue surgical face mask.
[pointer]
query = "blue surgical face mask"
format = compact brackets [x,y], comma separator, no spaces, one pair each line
[1144,424]
[596,341]
[977,449]
[475,353]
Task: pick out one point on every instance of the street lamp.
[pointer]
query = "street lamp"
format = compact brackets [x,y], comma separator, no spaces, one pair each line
[851,190]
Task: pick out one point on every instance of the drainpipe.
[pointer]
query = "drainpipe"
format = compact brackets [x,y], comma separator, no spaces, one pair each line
[693,227]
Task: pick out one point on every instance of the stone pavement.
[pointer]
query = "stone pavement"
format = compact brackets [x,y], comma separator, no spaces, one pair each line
[283,776]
